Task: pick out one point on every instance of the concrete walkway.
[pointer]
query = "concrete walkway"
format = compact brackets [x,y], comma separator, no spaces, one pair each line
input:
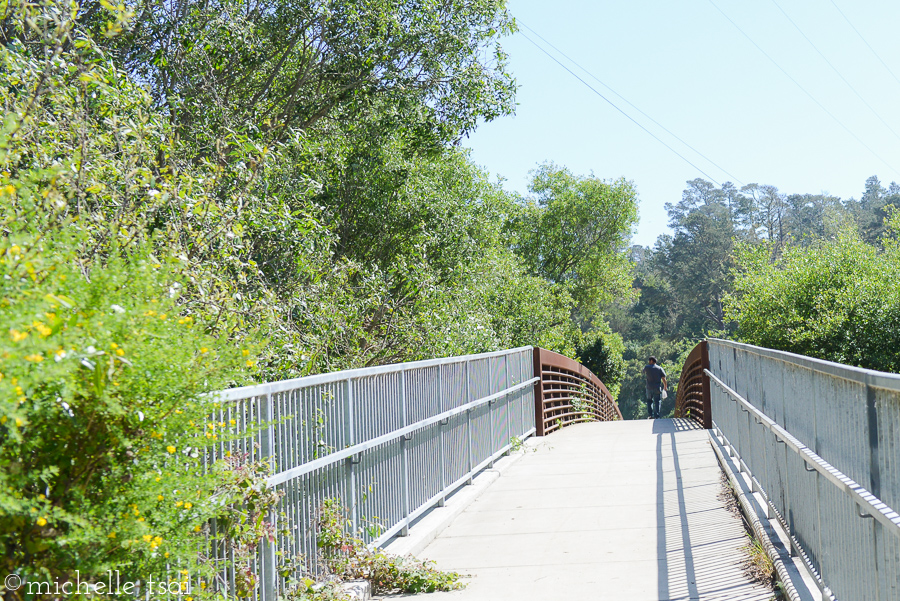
[625,511]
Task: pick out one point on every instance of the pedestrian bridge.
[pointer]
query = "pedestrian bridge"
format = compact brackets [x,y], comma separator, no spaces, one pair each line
[588,506]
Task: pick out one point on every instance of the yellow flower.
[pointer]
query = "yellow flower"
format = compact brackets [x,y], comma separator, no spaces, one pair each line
[188,505]
[18,423]
[250,363]
[159,497]
[113,345]
[111,535]
[208,435]
[40,327]
[41,522]
[158,478]
[34,358]
[162,316]
[232,422]
[166,555]
[147,538]
[158,540]
[179,503]
[120,352]
[17,336]
[170,449]
[245,352]
[2,420]
[203,350]
[211,426]
[140,519]
[196,528]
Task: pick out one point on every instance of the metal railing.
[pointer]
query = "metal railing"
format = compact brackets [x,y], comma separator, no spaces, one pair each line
[692,398]
[568,393]
[388,442]
[821,442]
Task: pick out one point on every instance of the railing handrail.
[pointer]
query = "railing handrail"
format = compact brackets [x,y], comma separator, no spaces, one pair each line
[861,375]
[874,506]
[243,392]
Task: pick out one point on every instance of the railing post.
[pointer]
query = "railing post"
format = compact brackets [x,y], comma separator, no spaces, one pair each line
[469,423]
[350,440]
[491,434]
[506,398]
[538,394]
[267,449]
[404,459]
[707,393]
[443,500]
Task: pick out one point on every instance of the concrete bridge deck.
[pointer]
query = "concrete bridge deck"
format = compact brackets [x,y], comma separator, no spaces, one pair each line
[626,511]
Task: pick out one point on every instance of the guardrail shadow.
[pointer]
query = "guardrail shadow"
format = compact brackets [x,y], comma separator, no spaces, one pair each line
[696,540]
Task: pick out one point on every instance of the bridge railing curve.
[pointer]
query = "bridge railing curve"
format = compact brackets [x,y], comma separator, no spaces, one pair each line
[821,443]
[567,393]
[692,397]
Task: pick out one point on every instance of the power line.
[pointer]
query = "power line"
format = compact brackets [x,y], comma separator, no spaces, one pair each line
[612,104]
[833,68]
[625,100]
[865,42]
[802,89]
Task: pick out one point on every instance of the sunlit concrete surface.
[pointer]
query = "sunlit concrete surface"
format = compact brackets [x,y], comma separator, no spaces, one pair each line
[616,510]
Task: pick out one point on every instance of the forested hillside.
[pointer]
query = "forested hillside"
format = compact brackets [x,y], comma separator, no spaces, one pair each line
[808,273]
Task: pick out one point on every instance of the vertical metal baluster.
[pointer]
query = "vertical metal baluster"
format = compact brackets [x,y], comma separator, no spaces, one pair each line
[506,400]
[491,433]
[469,423]
[405,456]
[524,360]
[350,433]
[443,499]
[267,557]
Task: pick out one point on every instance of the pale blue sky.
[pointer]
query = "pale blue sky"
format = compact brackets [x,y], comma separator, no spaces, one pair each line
[691,70]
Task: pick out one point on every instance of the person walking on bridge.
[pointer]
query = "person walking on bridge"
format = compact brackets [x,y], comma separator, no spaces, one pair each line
[656,384]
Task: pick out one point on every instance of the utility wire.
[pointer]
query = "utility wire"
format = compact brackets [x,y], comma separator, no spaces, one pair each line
[802,89]
[612,104]
[865,42]
[833,68]
[625,100]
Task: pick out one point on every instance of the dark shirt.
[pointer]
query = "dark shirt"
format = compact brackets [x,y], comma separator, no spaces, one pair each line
[654,374]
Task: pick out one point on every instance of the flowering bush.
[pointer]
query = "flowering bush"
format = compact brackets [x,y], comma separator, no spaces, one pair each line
[104,428]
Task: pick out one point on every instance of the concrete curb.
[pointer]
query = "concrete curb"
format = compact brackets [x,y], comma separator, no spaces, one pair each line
[798,584]
[428,527]
[357,590]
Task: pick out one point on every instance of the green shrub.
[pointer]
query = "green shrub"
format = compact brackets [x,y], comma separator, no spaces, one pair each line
[105,430]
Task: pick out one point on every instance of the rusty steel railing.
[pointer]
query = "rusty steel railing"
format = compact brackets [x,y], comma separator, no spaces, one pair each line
[568,392]
[693,397]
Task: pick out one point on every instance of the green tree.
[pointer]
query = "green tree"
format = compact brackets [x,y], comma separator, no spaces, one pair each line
[836,299]
[574,232]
